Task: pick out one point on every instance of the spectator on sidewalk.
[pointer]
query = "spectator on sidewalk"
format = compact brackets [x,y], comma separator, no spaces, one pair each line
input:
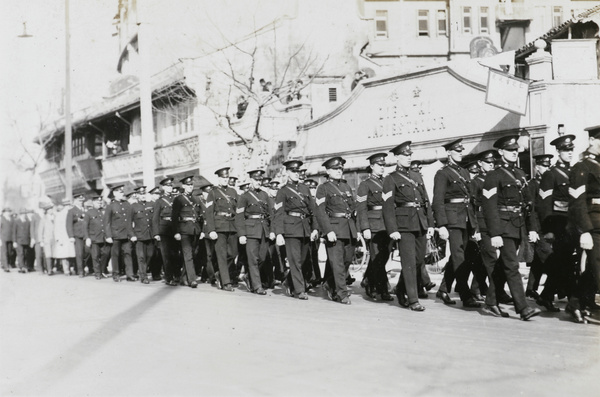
[6,246]
[64,249]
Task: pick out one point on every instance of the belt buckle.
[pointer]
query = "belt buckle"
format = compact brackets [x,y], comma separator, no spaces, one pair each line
[596,201]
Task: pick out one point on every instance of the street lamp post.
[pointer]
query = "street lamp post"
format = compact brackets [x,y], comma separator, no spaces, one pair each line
[68,132]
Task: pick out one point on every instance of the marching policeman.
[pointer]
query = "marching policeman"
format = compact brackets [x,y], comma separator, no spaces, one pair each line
[335,211]
[187,228]
[93,228]
[456,221]
[6,236]
[408,220]
[369,209]
[143,212]
[75,231]
[506,208]
[294,226]
[163,232]
[542,247]
[21,238]
[584,214]
[206,253]
[253,225]
[312,271]
[553,216]
[221,205]
[118,230]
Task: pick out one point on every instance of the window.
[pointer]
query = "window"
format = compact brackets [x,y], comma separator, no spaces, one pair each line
[483,20]
[381,29]
[423,23]
[332,94]
[78,145]
[466,11]
[556,16]
[441,23]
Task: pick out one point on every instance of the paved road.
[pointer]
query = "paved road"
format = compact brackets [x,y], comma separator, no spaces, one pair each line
[63,336]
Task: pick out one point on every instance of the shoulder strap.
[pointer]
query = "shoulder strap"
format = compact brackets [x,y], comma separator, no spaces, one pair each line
[224,195]
[377,183]
[409,180]
[166,201]
[564,174]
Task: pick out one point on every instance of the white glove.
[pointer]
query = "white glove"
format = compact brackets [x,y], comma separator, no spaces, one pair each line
[109,240]
[331,237]
[242,240]
[430,232]
[213,235]
[202,235]
[72,239]
[177,236]
[88,242]
[497,242]
[157,237]
[586,242]
[395,236]
[477,237]
[533,237]
[444,235]
[280,240]
[272,236]
[314,235]
[133,239]
[367,234]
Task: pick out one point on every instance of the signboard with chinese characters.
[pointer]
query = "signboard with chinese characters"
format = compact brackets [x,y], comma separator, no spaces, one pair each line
[507,92]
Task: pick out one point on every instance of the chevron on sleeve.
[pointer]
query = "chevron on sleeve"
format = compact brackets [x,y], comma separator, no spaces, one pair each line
[544,194]
[575,193]
[489,193]
[386,195]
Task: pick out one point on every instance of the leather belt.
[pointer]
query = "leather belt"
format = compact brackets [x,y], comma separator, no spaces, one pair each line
[339,215]
[561,206]
[410,204]
[187,219]
[256,216]
[225,214]
[595,201]
[375,207]
[457,201]
[165,218]
[296,214]
[510,208]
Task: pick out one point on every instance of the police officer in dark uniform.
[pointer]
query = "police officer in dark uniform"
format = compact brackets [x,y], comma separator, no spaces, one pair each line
[143,212]
[155,265]
[507,211]
[335,212]
[312,270]
[75,231]
[118,230]
[408,220]
[93,228]
[21,239]
[221,204]
[456,221]
[163,232]
[294,226]
[6,235]
[542,248]
[369,210]
[187,227]
[553,216]
[584,215]
[206,255]
[253,225]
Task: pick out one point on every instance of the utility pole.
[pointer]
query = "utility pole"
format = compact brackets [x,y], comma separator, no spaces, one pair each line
[145,100]
[68,132]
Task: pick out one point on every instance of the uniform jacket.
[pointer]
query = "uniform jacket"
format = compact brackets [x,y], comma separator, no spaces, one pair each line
[201,212]
[534,189]
[553,198]
[294,198]
[221,205]
[6,228]
[477,194]
[185,215]
[117,220]
[253,204]
[75,222]
[405,202]
[368,199]
[162,223]
[506,188]
[584,203]
[142,213]
[21,231]
[93,225]
[453,183]
[335,197]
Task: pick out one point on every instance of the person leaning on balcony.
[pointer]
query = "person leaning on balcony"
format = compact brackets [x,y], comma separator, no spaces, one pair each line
[221,204]
[187,228]
[163,232]
[408,220]
[119,233]
[507,209]
[75,231]
[95,238]
[455,218]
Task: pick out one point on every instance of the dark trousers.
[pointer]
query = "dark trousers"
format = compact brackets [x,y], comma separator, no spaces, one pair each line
[40,259]
[460,268]
[225,248]
[187,249]
[339,256]
[489,262]
[412,250]
[100,256]
[257,251]
[79,254]
[205,260]
[379,247]
[156,264]
[145,251]
[587,283]
[7,254]
[296,251]
[168,250]
[121,248]
[241,263]
[510,265]
[23,256]
[560,267]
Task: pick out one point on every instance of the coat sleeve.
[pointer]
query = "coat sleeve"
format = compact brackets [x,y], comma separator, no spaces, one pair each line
[545,193]
[156,218]
[362,218]
[70,223]
[86,224]
[428,209]
[129,223]
[321,214]
[389,205]
[107,221]
[279,208]
[210,212]
[175,215]
[489,203]
[240,216]
[578,198]
[440,183]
